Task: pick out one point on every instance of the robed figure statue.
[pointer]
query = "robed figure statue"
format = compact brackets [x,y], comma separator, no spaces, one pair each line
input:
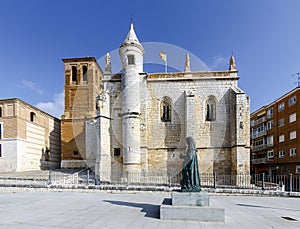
[190,173]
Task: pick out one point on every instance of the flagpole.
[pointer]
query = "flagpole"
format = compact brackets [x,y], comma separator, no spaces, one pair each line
[166,65]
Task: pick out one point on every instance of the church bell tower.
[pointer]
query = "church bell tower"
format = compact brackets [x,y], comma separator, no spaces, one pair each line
[132,54]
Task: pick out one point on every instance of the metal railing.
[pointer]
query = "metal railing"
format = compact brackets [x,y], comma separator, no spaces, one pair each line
[258,134]
[258,147]
[141,180]
[259,161]
[260,120]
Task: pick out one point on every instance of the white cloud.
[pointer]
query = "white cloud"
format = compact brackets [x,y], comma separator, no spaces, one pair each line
[32,86]
[219,63]
[55,107]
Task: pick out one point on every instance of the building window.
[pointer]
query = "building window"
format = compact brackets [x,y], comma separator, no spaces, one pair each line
[84,73]
[281,106]
[75,153]
[281,153]
[270,112]
[32,116]
[293,152]
[210,109]
[0,150]
[131,60]
[74,74]
[270,155]
[270,140]
[0,131]
[293,135]
[297,168]
[251,122]
[117,152]
[292,101]
[1,114]
[292,117]
[281,122]
[166,109]
[281,138]
[270,125]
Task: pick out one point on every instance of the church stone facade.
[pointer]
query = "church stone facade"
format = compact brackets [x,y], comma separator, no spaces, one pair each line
[137,122]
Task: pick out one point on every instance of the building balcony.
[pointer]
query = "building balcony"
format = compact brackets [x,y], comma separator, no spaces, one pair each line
[258,121]
[259,147]
[258,134]
[258,161]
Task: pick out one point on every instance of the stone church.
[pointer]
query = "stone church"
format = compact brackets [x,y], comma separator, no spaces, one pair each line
[137,122]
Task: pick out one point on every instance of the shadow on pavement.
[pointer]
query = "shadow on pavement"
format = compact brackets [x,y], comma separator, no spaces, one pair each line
[151,210]
[259,206]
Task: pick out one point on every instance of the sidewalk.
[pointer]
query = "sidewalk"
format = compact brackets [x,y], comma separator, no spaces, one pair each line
[140,210]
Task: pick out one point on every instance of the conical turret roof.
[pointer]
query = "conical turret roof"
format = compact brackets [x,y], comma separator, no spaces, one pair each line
[131,37]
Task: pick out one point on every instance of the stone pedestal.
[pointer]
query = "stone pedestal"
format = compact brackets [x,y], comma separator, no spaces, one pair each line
[191,206]
[190,199]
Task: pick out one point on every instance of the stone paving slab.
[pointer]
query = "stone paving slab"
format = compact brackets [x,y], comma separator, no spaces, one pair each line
[139,210]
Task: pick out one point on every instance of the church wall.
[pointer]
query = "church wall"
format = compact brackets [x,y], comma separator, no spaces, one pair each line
[163,143]
[212,138]
[241,126]
[73,139]
[104,160]
[116,137]
[92,142]
[170,161]
[163,161]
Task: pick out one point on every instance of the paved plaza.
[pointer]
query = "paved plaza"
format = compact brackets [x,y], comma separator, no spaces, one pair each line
[136,210]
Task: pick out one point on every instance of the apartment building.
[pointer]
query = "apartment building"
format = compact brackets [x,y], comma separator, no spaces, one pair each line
[275,136]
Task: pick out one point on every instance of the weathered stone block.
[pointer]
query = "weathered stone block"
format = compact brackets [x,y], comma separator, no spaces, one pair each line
[204,214]
[190,199]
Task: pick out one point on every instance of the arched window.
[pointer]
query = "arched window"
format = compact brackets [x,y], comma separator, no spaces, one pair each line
[210,109]
[32,116]
[166,109]
[84,73]
[74,74]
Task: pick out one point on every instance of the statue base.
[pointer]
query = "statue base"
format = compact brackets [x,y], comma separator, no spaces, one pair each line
[190,199]
[191,206]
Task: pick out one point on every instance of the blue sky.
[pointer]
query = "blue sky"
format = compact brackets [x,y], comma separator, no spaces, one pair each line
[35,35]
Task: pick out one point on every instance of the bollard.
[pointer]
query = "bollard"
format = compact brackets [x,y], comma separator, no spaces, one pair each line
[291,182]
[263,184]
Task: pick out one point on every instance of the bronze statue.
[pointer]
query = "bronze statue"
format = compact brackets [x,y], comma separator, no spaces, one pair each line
[190,173]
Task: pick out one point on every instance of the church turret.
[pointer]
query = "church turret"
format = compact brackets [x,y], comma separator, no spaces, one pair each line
[132,54]
[232,66]
[187,66]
